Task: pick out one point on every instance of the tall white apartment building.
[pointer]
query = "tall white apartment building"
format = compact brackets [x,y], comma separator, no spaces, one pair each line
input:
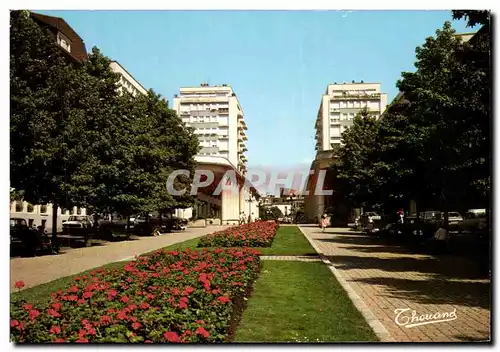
[339,105]
[218,121]
[127,81]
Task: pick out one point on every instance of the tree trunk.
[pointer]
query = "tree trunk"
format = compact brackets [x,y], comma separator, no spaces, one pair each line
[127,228]
[55,244]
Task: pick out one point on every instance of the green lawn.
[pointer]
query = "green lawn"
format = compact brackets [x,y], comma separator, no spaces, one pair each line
[300,302]
[289,240]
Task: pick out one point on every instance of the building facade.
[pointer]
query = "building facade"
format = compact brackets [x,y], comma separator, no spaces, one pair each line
[340,104]
[215,114]
[217,118]
[338,107]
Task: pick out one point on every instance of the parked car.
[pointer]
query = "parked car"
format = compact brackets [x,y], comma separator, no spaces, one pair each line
[147,224]
[430,215]
[78,225]
[115,227]
[27,239]
[474,221]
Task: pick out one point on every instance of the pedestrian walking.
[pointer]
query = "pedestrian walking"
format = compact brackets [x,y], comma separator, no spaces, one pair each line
[242,218]
[324,222]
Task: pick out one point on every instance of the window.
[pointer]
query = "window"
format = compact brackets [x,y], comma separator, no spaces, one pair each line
[64,42]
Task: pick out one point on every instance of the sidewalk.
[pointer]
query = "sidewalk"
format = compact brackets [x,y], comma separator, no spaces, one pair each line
[388,277]
[39,270]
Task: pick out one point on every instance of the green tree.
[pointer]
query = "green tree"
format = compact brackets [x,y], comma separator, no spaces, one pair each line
[49,97]
[354,164]
[270,213]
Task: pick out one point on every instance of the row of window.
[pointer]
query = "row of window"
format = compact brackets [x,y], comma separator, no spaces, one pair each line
[203,107]
[30,208]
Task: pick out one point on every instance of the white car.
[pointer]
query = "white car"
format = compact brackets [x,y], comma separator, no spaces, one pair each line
[454,218]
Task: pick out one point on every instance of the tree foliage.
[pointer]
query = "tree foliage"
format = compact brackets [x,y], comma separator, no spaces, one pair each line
[75,140]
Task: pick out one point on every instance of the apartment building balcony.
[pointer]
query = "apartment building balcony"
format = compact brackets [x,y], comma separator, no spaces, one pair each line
[355,97]
[242,127]
[212,99]
[204,124]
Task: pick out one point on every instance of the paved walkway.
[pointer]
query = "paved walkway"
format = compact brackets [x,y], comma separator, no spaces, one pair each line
[387,277]
[39,270]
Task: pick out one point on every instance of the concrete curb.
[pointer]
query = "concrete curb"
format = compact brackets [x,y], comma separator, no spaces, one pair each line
[376,325]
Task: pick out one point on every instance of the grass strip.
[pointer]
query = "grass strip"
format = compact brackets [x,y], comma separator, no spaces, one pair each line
[300,302]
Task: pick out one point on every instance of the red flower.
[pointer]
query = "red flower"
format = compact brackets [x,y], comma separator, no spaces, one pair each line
[33,314]
[125,299]
[200,322]
[202,332]
[136,326]
[171,336]
[148,341]
[28,306]
[19,284]
[14,323]
[106,319]
[57,306]
[58,340]
[82,340]
[73,289]
[55,330]
[121,315]
[112,293]
[87,295]
[144,305]
[53,313]
[224,299]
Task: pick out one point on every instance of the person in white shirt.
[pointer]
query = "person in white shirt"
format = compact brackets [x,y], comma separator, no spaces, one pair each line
[441,238]
[242,218]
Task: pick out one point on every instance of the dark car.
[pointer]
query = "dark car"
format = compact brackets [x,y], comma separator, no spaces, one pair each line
[115,227]
[147,224]
[26,239]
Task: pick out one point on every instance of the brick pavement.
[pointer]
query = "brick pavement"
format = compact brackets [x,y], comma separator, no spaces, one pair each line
[387,277]
[39,270]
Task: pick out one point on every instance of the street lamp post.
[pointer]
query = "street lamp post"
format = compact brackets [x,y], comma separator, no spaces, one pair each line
[250,201]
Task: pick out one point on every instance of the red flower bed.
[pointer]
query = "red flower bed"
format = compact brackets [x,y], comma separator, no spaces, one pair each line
[255,234]
[167,296]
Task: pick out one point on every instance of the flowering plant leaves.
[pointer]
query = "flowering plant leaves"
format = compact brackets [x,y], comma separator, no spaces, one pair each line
[167,296]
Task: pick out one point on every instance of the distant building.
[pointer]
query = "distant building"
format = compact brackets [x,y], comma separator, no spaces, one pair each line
[215,114]
[340,104]
[218,120]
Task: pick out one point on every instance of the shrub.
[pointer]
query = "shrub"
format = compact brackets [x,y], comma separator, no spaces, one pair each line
[167,296]
[255,234]
[30,208]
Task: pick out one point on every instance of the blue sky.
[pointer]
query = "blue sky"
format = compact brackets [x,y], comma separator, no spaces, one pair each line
[278,62]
